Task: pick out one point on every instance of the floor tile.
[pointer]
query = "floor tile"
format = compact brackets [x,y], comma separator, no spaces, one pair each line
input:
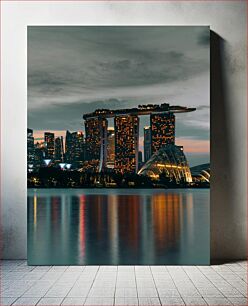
[166,301]
[7,301]
[73,301]
[147,292]
[126,301]
[99,301]
[194,301]
[50,301]
[217,301]
[27,301]
[126,292]
[149,301]
[102,292]
[164,292]
[239,301]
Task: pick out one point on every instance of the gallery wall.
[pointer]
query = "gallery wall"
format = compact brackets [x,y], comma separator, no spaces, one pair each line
[227,20]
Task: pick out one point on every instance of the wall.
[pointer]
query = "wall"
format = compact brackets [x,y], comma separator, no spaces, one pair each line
[227,20]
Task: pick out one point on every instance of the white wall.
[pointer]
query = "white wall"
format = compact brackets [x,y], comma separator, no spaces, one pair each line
[228,103]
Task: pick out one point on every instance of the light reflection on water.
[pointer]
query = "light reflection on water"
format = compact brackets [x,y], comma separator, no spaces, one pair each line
[118,226]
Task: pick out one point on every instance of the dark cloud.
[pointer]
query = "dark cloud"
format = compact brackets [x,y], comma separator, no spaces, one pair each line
[75,70]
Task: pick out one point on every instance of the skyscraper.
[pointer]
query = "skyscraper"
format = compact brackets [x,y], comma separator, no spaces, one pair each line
[78,150]
[162,130]
[96,140]
[75,148]
[140,159]
[59,150]
[30,150]
[126,143]
[147,143]
[50,145]
[111,148]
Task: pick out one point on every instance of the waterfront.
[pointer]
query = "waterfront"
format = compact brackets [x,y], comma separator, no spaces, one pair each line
[118,226]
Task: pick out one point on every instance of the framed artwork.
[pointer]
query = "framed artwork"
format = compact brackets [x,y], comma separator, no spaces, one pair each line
[118,145]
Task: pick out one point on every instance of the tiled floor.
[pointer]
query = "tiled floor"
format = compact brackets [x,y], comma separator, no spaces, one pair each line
[123,285]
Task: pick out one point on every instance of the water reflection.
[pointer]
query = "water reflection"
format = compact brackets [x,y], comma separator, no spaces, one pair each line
[118,226]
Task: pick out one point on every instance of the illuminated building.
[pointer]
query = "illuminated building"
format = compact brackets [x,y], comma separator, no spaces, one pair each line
[96,140]
[201,174]
[168,163]
[147,143]
[49,141]
[162,130]
[59,150]
[30,151]
[126,143]
[75,148]
[39,155]
[111,148]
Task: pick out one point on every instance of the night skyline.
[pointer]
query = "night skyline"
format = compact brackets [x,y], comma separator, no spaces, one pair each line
[74,70]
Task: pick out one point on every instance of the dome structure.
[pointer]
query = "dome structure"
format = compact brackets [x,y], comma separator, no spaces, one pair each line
[169,161]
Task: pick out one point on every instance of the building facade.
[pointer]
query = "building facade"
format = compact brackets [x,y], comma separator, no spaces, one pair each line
[50,145]
[75,148]
[162,130]
[147,143]
[111,148]
[96,140]
[59,150]
[126,143]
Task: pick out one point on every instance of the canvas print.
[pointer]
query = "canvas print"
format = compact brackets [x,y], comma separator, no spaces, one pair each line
[118,145]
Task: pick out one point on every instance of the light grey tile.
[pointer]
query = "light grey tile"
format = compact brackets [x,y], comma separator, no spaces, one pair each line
[125,269]
[217,301]
[122,301]
[50,301]
[126,292]
[149,301]
[79,291]
[229,291]
[99,301]
[147,292]
[125,283]
[75,269]
[167,301]
[58,291]
[73,301]
[194,301]
[27,301]
[102,292]
[165,292]
[7,300]
[239,301]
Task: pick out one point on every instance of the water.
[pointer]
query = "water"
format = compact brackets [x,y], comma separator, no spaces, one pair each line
[118,226]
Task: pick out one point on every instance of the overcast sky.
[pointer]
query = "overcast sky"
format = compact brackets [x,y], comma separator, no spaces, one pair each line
[75,70]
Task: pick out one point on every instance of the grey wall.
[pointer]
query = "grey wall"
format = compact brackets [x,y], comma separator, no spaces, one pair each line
[227,20]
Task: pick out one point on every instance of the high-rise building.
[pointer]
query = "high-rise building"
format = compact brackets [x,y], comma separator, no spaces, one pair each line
[30,150]
[50,145]
[111,148]
[162,130]
[140,160]
[147,143]
[126,143]
[78,152]
[75,148]
[96,140]
[59,150]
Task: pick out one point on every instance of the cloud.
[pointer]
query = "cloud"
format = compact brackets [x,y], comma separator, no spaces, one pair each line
[75,70]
